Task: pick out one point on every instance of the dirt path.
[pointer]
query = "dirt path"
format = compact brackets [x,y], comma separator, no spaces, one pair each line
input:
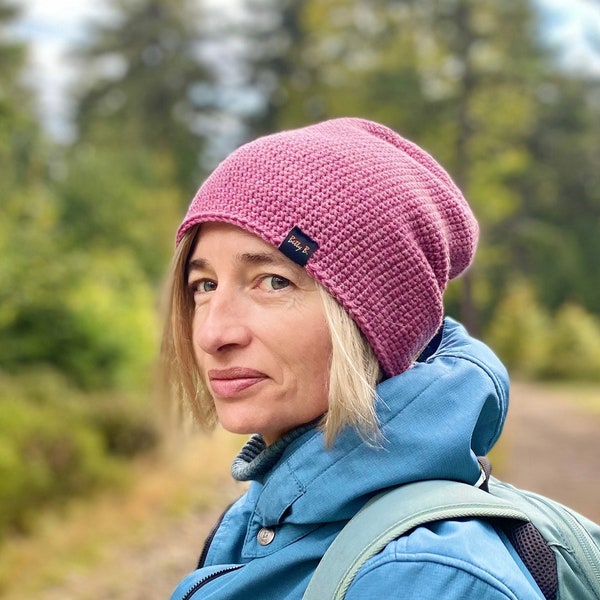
[548,446]
[552,447]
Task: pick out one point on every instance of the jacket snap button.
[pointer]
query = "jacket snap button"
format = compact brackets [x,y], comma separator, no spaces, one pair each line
[265,536]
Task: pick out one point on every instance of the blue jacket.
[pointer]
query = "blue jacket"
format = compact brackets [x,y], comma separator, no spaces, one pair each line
[436,418]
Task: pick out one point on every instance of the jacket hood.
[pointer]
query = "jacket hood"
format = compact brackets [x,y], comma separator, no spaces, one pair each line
[436,418]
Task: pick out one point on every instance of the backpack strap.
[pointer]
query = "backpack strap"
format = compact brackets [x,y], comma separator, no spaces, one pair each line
[391,514]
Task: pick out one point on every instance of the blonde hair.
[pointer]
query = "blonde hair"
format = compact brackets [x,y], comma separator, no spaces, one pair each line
[354,369]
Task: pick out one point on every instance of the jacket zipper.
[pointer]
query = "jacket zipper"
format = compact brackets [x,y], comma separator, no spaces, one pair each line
[202,582]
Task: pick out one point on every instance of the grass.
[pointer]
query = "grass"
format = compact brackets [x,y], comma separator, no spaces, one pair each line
[162,487]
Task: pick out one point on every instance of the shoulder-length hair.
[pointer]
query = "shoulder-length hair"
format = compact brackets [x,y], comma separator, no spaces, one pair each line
[353,373]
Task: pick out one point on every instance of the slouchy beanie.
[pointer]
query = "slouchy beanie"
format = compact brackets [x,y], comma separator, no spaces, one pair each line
[367,213]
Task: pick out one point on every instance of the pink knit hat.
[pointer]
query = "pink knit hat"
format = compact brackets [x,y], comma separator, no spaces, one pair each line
[369,214]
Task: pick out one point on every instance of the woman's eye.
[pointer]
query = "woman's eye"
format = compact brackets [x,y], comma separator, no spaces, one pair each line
[204,285]
[275,282]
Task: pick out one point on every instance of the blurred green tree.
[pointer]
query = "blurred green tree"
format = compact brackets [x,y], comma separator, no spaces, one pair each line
[274,36]
[144,85]
[68,300]
[111,203]
[143,102]
[555,240]
[21,164]
[27,214]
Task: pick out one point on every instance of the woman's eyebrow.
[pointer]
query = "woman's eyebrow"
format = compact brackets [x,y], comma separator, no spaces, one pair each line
[249,258]
[261,258]
[197,264]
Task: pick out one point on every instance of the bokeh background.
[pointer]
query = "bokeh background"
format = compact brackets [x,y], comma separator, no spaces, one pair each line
[111,114]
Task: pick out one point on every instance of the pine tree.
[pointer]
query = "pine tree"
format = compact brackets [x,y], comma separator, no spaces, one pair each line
[144,84]
[20,139]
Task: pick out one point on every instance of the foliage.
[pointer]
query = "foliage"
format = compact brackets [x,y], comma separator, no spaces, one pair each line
[59,462]
[20,147]
[534,343]
[555,239]
[520,332]
[77,307]
[575,348]
[107,202]
[144,86]
[56,443]
[89,314]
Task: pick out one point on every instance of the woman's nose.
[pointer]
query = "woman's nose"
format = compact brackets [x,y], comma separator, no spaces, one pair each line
[221,324]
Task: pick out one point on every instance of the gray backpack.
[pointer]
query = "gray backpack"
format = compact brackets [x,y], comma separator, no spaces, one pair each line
[560,548]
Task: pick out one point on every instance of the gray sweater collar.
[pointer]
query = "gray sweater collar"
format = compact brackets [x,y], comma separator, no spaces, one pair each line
[256,459]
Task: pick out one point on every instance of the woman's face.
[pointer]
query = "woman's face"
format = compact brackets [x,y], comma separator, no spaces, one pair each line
[260,337]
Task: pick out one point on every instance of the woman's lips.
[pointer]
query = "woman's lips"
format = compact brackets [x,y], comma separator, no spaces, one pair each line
[227,383]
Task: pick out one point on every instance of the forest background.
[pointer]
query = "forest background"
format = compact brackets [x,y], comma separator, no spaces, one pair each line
[164,89]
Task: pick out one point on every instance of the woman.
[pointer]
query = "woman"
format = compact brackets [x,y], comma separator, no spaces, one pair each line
[307,310]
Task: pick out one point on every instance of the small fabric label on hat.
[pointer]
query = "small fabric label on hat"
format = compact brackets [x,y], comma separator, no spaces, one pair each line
[298,247]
